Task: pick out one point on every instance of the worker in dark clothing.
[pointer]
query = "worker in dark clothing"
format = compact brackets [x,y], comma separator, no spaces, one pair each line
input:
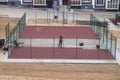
[16,44]
[60,41]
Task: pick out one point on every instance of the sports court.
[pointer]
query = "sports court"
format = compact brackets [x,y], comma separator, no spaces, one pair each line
[54,52]
[82,32]
[60,53]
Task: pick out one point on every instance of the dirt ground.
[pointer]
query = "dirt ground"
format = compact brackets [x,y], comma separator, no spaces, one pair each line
[45,71]
[3,23]
[116,33]
[50,22]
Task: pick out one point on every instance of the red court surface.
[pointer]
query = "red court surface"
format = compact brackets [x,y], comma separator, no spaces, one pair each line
[54,32]
[59,53]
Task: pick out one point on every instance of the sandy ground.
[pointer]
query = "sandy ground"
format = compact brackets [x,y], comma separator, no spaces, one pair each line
[45,71]
[116,33]
[3,23]
[48,22]
[56,22]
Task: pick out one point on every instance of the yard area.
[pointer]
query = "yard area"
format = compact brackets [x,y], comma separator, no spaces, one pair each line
[116,33]
[46,71]
[4,22]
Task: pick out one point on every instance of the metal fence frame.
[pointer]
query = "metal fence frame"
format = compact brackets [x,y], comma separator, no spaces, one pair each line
[100,28]
[14,34]
[105,37]
[54,45]
[64,17]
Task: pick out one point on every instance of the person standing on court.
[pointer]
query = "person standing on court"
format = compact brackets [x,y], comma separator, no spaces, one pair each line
[60,41]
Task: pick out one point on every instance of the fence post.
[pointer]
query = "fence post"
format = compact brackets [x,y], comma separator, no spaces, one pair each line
[73,17]
[17,32]
[47,15]
[94,22]
[115,46]
[95,25]
[49,19]
[90,19]
[54,16]
[76,46]
[106,37]
[66,17]
[53,47]
[99,30]
[8,41]
[7,32]
[30,47]
[18,24]
[35,18]
[63,18]
[103,34]
[104,30]
[24,20]
[99,49]
[111,42]
[100,33]
[77,16]
[13,35]
[12,40]
[57,16]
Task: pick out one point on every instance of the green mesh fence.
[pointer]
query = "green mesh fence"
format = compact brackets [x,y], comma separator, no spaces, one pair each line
[7,29]
[107,40]
[61,18]
[14,34]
